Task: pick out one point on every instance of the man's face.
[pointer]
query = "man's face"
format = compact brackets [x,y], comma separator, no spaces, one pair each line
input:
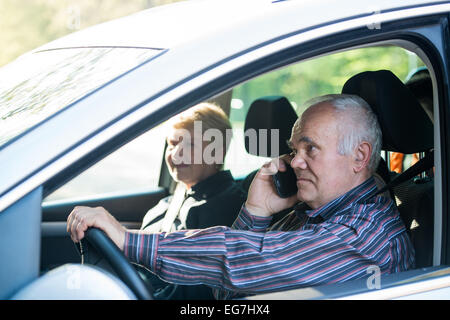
[322,173]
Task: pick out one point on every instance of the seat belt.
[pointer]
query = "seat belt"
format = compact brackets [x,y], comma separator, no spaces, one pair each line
[420,166]
[174,208]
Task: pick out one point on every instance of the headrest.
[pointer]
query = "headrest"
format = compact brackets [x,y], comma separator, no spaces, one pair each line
[418,73]
[274,112]
[405,126]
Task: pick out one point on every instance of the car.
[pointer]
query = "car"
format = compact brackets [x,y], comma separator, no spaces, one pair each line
[72,104]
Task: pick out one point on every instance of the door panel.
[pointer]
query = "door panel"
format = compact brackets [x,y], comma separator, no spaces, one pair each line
[56,246]
[19,235]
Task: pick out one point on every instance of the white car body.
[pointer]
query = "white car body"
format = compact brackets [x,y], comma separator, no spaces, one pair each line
[201,49]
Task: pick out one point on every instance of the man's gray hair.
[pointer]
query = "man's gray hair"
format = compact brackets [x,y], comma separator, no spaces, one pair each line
[364,125]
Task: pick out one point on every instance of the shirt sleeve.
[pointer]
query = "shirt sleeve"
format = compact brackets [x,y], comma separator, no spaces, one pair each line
[142,247]
[243,261]
[246,221]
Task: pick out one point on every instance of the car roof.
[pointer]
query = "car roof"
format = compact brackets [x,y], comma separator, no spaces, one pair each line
[172,25]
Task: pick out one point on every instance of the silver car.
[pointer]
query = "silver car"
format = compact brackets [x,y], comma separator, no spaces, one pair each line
[82,123]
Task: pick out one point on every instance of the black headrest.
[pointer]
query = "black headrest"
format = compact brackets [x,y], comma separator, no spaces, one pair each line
[274,112]
[405,126]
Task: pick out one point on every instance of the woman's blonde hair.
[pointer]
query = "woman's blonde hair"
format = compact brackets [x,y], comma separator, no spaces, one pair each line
[210,115]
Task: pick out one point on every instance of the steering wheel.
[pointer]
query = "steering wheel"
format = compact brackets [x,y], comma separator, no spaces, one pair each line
[105,248]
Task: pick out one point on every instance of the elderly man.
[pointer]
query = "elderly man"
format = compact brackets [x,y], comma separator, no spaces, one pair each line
[338,230]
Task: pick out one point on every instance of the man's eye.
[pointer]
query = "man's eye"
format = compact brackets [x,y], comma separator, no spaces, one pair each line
[293,153]
[310,148]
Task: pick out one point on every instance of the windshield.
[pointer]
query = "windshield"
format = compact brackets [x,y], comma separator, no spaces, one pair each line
[36,86]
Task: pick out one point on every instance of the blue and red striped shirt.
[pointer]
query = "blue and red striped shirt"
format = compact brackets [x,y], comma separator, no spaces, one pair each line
[336,242]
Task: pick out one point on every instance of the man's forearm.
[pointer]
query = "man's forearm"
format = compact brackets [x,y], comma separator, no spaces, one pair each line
[142,247]
[250,222]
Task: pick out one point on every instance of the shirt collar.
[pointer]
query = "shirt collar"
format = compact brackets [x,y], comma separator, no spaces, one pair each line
[362,192]
[211,185]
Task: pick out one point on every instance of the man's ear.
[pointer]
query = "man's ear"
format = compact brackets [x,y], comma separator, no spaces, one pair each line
[362,156]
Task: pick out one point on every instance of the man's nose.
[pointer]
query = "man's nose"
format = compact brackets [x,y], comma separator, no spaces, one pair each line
[298,162]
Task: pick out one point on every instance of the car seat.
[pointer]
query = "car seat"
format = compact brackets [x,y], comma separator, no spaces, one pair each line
[398,111]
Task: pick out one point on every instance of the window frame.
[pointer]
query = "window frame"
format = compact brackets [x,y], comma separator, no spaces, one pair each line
[414,33]
[304,44]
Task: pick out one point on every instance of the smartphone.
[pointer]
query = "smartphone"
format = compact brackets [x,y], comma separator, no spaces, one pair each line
[285,182]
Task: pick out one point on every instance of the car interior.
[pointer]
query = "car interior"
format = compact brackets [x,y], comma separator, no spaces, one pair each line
[385,92]
[391,100]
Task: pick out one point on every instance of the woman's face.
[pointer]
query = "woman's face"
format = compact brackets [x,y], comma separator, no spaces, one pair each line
[184,157]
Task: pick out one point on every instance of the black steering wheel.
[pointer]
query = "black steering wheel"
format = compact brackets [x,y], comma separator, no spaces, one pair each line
[105,248]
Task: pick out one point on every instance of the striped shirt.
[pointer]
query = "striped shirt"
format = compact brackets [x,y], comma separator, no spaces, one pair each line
[336,242]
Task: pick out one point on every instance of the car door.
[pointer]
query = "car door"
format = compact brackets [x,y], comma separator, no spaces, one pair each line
[407,33]
[421,33]
[127,183]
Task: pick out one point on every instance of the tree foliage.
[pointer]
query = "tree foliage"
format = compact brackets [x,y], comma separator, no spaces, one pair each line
[324,75]
[27,24]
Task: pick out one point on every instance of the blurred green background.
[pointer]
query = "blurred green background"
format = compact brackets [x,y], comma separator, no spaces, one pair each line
[324,75]
[27,24]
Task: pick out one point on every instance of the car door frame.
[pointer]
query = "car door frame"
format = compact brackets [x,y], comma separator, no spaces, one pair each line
[423,31]
[226,74]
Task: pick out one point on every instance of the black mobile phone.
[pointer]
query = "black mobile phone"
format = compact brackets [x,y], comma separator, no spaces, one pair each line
[285,182]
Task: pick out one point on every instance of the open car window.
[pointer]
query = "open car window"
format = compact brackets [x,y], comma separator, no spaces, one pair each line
[137,165]
[304,80]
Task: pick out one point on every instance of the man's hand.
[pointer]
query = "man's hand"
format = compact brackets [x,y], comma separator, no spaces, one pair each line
[81,218]
[262,199]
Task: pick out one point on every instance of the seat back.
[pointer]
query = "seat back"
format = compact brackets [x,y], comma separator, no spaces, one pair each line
[406,128]
[268,113]
[415,201]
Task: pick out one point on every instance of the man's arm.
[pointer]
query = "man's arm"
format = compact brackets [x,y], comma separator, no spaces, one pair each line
[246,221]
[262,202]
[247,262]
